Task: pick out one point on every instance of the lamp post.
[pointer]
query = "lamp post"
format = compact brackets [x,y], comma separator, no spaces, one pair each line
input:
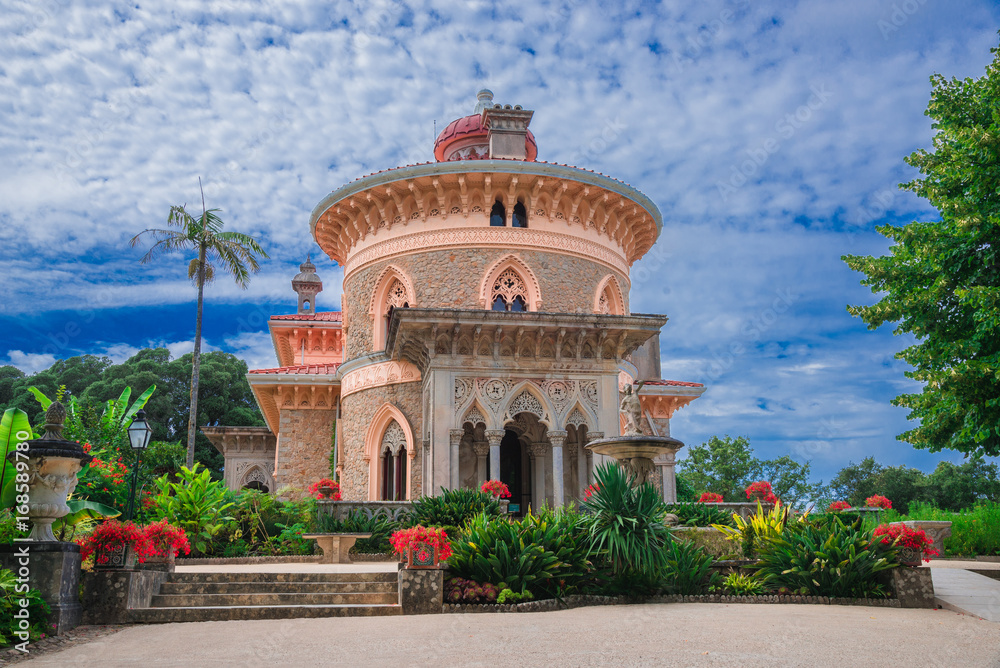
[138,437]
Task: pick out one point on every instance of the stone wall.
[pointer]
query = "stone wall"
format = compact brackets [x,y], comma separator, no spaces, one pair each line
[450,279]
[304,446]
[358,410]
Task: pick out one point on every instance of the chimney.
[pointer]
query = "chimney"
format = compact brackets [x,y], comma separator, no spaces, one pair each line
[507,131]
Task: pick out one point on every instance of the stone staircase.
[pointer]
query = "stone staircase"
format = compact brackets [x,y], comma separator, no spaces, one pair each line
[202,597]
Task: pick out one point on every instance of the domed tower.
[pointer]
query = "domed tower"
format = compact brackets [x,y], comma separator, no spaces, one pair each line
[486,325]
[307,285]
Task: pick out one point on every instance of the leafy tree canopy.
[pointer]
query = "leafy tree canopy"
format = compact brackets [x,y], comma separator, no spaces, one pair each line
[225,394]
[941,281]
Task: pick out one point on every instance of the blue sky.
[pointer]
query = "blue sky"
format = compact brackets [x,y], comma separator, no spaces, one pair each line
[770,134]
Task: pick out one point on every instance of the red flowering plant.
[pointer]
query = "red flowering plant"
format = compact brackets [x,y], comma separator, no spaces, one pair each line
[710,497]
[837,506]
[497,488]
[761,491]
[903,536]
[592,489]
[325,489]
[109,536]
[878,501]
[165,540]
[104,481]
[421,538]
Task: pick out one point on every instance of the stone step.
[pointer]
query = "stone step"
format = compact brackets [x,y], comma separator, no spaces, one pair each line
[277,587]
[269,599]
[380,576]
[226,613]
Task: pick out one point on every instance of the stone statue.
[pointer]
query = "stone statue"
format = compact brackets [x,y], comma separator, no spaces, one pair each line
[632,409]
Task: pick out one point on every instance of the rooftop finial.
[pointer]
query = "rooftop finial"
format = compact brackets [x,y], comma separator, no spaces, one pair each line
[484,99]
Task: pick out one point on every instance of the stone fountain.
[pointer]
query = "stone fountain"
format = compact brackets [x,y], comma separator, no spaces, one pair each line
[634,450]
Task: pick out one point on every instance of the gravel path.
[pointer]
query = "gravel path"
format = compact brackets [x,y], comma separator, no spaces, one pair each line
[689,634]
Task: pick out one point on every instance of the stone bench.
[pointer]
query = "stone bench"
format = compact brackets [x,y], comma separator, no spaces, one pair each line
[336,546]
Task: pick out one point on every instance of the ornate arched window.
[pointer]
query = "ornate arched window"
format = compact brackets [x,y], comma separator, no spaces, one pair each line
[520,217]
[498,215]
[396,299]
[509,292]
[609,299]
[392,463]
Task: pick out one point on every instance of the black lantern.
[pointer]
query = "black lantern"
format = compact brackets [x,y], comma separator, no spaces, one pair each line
[139,433]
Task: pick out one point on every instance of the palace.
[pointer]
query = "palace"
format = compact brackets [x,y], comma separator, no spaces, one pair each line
[485,329]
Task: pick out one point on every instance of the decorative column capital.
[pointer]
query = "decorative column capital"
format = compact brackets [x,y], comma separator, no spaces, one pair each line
[494,436]
[540,449]
[455,435]
[481,448]
[557,438]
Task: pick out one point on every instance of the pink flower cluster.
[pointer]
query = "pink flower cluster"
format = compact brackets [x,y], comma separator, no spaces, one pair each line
[421,537]
[838,506]
[155,540]
[322,490]
[761,491]
[710,497]
[497,488]
[878,501]
[903,536]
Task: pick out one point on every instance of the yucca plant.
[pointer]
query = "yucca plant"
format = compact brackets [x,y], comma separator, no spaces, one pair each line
[834,559]
[625,524]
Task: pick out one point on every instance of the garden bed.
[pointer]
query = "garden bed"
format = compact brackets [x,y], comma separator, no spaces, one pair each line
[580,601]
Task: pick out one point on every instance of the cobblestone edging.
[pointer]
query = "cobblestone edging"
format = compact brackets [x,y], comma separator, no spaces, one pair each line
[580,601]
[220,561]
[78,636]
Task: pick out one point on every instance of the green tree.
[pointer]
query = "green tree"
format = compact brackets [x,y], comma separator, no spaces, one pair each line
[722,465]
[960,486]
[790,480]
[856,482]
[941,281]
[234,252]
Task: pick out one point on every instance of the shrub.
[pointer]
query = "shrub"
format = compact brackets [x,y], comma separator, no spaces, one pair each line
[453,507]
[761,491]
[878,501]
[837,506]
[562,533]
[760,527]
[418,537]
[195,503]
[166,539]
[10,605]
[710,497]
[743,584]
[695,515]
[493,550]
[974,531]
[688,570]
[831,560]
[625,524]
[496,488]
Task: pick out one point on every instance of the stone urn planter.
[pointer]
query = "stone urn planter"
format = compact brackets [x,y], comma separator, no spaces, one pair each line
[51,464]
[422,555]
[908,556]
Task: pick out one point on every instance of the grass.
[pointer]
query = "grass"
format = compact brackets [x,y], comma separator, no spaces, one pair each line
[974,531]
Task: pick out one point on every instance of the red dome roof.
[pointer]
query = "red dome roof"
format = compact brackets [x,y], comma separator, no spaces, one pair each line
[471,126]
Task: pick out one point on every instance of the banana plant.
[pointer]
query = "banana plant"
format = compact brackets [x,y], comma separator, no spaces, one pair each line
[81,512]
[14,428]
[117,414]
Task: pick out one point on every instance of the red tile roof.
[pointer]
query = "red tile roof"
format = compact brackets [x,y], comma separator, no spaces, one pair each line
[326,316]
[672,383]
[312,369]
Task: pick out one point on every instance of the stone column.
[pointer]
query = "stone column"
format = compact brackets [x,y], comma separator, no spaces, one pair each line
[591,436]
[455,436]
[537,451]
[557,438]
[494,436]
[669,478]
[482,449]
[581,467]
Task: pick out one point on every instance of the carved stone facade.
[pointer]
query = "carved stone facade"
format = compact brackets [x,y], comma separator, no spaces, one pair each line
[485,325]
[248,454]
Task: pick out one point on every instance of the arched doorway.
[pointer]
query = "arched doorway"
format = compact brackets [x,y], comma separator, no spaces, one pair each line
[512,470]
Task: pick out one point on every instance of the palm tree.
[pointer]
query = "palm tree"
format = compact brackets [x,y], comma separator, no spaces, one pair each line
[234,252]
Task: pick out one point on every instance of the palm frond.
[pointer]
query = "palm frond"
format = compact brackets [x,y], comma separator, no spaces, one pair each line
[174,241]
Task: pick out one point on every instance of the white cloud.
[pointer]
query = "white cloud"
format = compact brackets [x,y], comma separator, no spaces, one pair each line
[29,363]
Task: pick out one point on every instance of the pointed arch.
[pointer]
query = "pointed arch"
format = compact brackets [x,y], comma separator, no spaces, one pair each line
[475,415]
[382,420]
[526,397]
[512,262]
[609,297]
[393,289]
[578,415]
